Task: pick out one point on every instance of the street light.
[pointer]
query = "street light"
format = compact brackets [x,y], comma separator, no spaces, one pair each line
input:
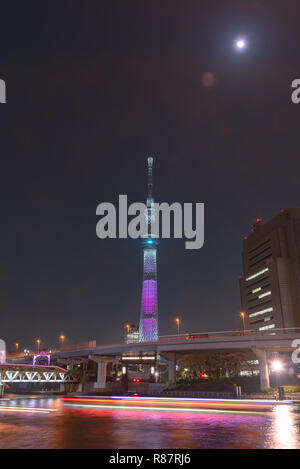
[17,346]
[177,320]
[128,328]
[276,366]
[38,344]
[243,318]
[62,338]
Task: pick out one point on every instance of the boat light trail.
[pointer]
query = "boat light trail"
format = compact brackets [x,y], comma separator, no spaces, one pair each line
[183,399]
[30,410]
[186,404]
[168,409]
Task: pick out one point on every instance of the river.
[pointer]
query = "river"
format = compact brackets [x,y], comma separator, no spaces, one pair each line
[46,422]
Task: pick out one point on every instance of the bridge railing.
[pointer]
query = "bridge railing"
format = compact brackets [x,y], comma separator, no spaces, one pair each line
[216,334]
[197,394]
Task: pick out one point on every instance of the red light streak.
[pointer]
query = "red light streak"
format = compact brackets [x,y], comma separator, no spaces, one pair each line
[186,404]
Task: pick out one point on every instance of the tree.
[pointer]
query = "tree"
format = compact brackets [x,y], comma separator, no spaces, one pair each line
[215,365]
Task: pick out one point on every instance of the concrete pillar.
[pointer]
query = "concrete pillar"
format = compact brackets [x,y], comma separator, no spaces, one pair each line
[101,361]
[101,375]
[172,371]
[79,387]
[263,369]
[264,373]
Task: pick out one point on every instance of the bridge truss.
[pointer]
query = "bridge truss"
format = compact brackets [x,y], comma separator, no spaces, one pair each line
[35,374]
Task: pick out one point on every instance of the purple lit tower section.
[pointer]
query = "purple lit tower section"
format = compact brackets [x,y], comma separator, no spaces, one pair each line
[148,330]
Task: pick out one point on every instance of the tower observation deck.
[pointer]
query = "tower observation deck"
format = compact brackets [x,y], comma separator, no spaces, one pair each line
[148,328]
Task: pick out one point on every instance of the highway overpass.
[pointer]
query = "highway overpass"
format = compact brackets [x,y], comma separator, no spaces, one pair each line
[171,348]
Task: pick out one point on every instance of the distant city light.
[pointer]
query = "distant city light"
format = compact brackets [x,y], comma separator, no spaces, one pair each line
[138,358]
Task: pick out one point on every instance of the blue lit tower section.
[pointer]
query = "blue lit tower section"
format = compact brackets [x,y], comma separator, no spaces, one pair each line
[148,330]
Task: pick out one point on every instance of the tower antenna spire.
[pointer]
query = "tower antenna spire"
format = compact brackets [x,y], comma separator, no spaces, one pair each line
[150,199]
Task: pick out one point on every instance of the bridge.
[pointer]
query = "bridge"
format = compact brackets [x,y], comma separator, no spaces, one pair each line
[28,374]
[35,374]
[191,342]
[170,348]
[25,373]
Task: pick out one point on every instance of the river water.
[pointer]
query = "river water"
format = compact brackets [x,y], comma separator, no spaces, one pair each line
[46,422]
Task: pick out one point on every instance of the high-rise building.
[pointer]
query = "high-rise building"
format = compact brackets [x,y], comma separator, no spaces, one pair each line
[270,284]
[131,334]
[148,329]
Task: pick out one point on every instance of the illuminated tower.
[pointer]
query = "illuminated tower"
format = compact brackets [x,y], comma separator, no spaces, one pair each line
[148,330]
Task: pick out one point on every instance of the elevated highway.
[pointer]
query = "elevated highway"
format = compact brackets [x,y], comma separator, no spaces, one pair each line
[172,347]
[222,343]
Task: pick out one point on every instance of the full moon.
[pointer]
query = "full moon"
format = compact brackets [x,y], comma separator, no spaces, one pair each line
[240,43]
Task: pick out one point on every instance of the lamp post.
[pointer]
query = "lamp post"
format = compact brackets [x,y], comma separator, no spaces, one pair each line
[243,318]
[62,338]
[177,320]
[17,346]
[38,345]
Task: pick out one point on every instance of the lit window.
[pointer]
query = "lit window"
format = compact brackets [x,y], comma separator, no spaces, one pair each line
[271,326]
[251,362]
[257,274]
[263,311]
[265,294]
[256,290]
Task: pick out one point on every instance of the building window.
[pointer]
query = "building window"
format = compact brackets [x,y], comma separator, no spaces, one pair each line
[263,311]
[271,326]
[260,304]
[259,246]
[264,294]
[257,274]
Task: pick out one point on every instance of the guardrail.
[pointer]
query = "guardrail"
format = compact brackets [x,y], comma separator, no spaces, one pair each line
[223,395]
[199,394]
[215,334]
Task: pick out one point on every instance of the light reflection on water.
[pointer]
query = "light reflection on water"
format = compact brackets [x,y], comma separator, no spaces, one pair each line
[107,428]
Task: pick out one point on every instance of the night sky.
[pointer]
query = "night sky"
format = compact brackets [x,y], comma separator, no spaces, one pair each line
[93,89]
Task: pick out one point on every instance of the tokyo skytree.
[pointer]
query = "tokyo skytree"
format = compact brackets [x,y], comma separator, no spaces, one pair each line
[148,329]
